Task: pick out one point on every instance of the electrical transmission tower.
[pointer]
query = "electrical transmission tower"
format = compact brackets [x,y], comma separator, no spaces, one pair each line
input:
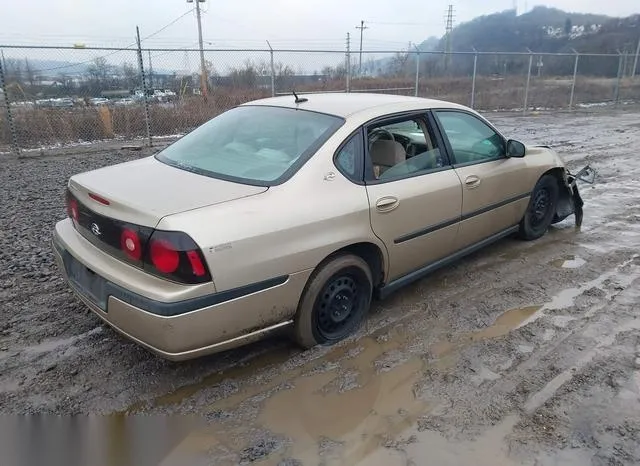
[448,44]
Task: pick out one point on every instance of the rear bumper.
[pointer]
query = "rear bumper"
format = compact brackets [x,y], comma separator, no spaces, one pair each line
[182,329]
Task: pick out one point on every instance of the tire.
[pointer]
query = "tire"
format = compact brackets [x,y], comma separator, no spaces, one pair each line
[541,209]
[335,302]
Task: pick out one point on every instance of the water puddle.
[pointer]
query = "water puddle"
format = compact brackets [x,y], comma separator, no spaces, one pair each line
[569,262]
[274,356]
[505,323]
[355,422]
[342,406]
[430,447]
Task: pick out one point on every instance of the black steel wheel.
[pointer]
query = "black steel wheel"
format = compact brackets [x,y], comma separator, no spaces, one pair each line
[541,210]
[335,301]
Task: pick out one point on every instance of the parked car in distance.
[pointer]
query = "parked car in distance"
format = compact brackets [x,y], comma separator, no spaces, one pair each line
[293,213]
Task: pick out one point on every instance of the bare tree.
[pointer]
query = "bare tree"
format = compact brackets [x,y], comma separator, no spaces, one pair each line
[130,76]
[29,73]
[98,75]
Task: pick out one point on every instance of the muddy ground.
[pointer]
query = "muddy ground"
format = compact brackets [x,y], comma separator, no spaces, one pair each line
[524,353]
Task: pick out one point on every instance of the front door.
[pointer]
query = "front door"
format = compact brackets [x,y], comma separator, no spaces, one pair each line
[415,196]
[494,197]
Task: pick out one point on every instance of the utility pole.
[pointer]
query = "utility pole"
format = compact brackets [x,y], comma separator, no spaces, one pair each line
[348,62]
[145,91]
[203,68]
[362,27]
[448,30]
[635,62]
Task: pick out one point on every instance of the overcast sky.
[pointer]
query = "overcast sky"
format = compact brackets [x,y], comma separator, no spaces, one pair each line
[237,23]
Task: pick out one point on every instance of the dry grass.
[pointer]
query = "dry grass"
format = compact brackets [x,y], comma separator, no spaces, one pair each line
[45,127]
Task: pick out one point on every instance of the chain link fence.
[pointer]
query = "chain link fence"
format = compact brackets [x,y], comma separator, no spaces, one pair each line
[59,97]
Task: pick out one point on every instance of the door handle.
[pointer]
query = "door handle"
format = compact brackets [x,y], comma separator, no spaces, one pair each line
[472,181]
[387,204]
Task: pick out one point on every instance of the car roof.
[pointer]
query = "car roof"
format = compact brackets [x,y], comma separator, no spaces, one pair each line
[349,104]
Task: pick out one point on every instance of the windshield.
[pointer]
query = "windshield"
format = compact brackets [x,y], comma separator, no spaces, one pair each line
[252,144]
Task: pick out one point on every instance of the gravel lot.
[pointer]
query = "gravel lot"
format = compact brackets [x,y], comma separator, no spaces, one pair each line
[524,353]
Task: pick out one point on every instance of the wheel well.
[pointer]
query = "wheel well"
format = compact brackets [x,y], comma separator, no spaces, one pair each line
[558,174]
[371,254]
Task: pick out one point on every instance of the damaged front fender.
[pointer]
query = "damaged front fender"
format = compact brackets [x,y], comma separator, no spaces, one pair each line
[569,199]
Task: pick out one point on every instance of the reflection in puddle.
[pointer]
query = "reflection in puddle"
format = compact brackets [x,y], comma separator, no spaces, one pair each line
[569,262]
[356,421]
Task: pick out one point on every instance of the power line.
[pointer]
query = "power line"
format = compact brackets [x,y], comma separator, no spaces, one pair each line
[386,23]
[168,25]
[128,47]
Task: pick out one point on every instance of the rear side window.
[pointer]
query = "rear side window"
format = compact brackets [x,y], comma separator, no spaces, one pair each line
[252,144]
[349,158]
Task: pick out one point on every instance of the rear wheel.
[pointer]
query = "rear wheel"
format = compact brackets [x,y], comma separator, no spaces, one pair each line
[335,301]
[542,207]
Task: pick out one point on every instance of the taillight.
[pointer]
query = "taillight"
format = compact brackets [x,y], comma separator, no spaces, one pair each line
[130,244]
[72,208]
[174,255]
[164,256]
[196,264]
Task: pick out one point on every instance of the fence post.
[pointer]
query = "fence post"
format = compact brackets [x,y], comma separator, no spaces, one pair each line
[526,90]
[417,71]
[473,81]
[635,61]
[575,77]
[144,89]
[616,92]
[273,72]
[12,127]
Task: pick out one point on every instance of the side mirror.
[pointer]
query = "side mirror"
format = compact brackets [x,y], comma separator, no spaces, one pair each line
[515,148]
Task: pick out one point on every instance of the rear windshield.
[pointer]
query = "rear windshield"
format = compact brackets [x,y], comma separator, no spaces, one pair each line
[252,144]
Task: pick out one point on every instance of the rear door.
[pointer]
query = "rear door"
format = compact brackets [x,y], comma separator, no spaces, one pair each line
[415,196]
[494,197]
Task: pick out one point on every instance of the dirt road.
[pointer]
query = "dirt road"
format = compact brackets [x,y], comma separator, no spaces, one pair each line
[524,353]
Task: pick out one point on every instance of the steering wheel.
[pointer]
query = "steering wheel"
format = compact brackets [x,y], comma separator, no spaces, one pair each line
[485,148]
[374,136]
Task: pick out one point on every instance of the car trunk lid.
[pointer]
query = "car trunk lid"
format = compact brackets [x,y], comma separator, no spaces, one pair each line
[144,191]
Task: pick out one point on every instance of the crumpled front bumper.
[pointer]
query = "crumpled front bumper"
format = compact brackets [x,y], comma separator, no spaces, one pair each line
[570,200]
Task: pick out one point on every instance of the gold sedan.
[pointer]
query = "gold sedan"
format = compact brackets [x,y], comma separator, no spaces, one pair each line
[294,213]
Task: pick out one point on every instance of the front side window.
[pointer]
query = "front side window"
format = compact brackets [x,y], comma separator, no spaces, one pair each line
[253,144]
[402,149]
[470,138]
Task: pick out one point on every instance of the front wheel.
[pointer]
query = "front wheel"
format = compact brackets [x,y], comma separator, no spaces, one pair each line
[335,301]
[542,207]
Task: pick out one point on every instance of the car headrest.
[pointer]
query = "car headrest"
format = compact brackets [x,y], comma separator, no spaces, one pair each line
[387,153]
